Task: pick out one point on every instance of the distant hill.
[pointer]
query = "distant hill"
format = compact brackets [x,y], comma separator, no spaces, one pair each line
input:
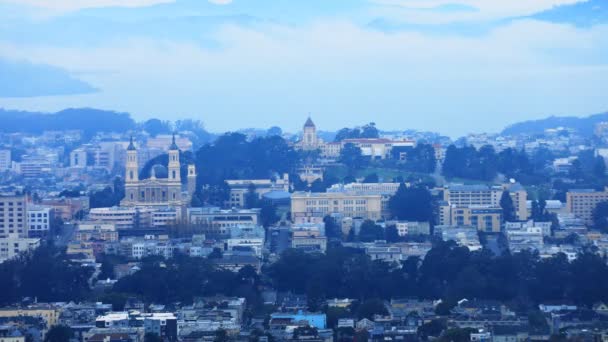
[90,121]
[584,126]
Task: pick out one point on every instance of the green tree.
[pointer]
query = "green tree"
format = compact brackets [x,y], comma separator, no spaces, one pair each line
[152,337]
[251,197]
[412,204]
[392,234]
[59,333]
[351,157]
[370,232]
[600,216]
[371,178]
[508,209]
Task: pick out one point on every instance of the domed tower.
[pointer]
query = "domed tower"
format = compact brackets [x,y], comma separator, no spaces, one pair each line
[132,173]
[191,180]
[174,179]
[309,137]
[174,165]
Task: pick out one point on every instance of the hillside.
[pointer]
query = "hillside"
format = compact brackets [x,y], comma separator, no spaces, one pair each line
[583,125]
[90,121]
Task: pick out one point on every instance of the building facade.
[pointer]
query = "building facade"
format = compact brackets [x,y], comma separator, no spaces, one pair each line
[309,207]
[582,202]
[13,209]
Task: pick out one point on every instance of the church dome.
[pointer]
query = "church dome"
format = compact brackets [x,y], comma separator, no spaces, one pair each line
[159,171]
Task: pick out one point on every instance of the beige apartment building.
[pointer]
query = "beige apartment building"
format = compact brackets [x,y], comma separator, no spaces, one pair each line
[309,207]
[13,215]
[582,202]
[459,195]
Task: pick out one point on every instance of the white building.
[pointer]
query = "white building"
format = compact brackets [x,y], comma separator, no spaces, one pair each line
[524,237]
[39,220]
[251,236]
[123,218]
[405,228]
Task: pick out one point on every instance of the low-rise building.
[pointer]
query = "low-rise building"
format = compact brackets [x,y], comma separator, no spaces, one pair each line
[313,207]
[13,245]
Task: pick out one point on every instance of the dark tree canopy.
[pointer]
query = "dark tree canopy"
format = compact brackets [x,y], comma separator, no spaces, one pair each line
[412,204]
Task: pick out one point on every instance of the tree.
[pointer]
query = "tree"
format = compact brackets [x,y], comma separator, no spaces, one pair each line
[156,127]
[371,307]
[371,178]
[152,337]
[412,204]
[508,209]
[351,157]
[268,214]
[332,229]
[392,234]
[251,197]
[59,333]
[599,167]
[370,232]
[600,216]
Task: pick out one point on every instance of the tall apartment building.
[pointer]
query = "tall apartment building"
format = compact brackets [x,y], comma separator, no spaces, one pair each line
[12,215]
[582,202]
[458,195]
[313,207]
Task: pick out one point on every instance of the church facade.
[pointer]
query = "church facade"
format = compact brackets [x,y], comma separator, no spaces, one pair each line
[158,191]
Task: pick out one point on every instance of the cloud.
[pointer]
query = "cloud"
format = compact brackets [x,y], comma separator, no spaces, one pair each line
[433,11]
[23,79]
[220,2]
[74,5]
[344,74]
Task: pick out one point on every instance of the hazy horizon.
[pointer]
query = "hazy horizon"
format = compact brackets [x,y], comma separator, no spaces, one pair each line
[451,67]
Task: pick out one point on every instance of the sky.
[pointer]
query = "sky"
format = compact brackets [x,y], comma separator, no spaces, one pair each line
[450,66]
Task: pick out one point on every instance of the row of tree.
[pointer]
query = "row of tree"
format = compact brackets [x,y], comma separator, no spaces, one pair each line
[448,272]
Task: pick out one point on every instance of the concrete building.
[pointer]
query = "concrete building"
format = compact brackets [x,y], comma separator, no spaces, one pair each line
[460,195]
[13,245]
[87,231]
[385,190]
[213,220]
[405,228]
[313,207]
[39,220]
[67,208]
[240,188]
[123,218]
[377,148]
[463,236]
[13,209]
[309,238]
[582,202]
[5,160]
[525,238]
[246,237]
[483,218]
[78,158]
